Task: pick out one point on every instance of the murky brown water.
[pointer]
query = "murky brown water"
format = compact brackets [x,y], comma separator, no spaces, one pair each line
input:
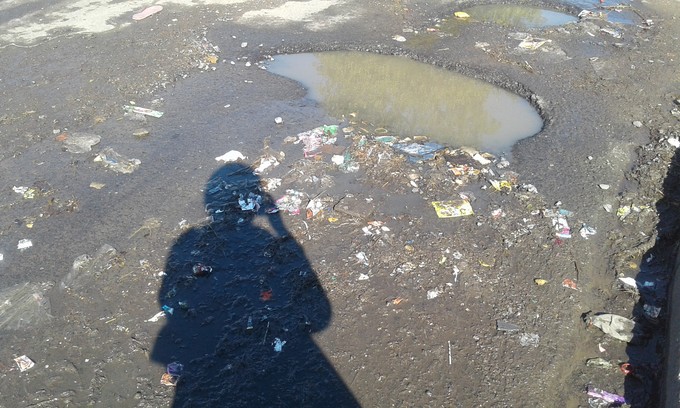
[411,98]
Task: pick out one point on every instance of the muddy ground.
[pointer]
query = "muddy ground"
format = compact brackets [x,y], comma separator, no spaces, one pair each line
[379,301]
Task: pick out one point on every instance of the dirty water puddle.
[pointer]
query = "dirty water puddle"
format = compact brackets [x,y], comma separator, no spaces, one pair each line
[519,16]
[411,98]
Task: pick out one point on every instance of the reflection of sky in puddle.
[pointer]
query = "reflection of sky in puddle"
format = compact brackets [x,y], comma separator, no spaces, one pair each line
[519,16]
[412,98]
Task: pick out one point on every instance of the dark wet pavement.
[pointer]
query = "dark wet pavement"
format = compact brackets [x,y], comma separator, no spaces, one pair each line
[413,299]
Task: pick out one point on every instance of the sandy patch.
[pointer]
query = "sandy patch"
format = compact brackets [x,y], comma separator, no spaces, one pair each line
[97,16]
[80,16]
[295,11]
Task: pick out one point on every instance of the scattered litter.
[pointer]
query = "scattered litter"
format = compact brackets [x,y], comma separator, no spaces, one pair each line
[278,344]
[586,231]
[673,141]
[86,269]
[271,184]
[290,202]
[540,282]
[21,190]
[231,156]
[420,151]
[314,207]
[363,277]
[626,368]
[244,44]
[141,133]
[502,163]
[629,284]
[80,142]
[651,312]
[156,317]
[278,120]
[604,395]
[175,369]
[169,380]
[569,283]
[506,326]
[616,326]
[315,138]
[201,270]
[527,41]
[266,295]
[147,12]
[529,340]
[637,123]
[24,244]
[97,185]
[167,309]
[361,256]
[143,111]
[432,293]
[24,363]
[607,207]
[500,185]
[561,226]
[481,159]
[399,38]
[265,163]
[587,14]
[375,228]
[461,15]
[117,162]
[599,362]
[498,213]
[24,305]
[452,208]
[250,203]
[603,186]
[624,211]
[612,32]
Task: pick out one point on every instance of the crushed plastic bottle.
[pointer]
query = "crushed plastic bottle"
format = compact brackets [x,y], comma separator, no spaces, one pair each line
[117,162]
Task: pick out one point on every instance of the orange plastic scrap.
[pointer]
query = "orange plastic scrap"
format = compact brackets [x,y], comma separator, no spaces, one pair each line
[169,380]
[266,295]
[626,368]
[569,283]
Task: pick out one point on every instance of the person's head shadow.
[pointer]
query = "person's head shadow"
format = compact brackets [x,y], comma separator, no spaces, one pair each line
[245,302]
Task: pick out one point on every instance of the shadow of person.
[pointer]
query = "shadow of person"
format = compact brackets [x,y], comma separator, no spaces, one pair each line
[245,303]
[644,384]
